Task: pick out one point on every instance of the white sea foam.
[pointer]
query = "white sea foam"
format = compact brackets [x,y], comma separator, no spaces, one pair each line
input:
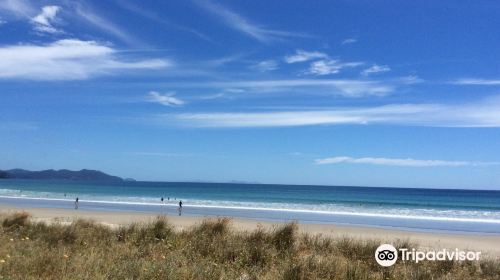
[430,214]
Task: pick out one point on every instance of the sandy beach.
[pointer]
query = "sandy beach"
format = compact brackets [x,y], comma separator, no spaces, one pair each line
[489,245]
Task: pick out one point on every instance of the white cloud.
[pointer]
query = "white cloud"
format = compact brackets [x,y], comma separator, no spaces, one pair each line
[349,41]
[266,65]
[347,88]
[375,69]
[410,80]
[479,114]
[86,13]
[43,22]
[228,93]
[80,10]
[162,20]
[69,59]
[323,64]
[477,82]
[166,99]
[400,162]
[325,67]
[329,66]
[218,95]
[302,56]
[17,8]
[241,24]
[267,119]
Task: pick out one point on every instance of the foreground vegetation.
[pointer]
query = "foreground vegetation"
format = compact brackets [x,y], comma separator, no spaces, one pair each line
[210,250]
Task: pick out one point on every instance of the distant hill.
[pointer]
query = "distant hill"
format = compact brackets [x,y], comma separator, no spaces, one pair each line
[63,174]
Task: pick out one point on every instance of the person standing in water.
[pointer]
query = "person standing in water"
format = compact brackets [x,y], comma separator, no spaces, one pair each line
[76,203]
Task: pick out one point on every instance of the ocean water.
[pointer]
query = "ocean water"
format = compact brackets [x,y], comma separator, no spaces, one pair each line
[469,211]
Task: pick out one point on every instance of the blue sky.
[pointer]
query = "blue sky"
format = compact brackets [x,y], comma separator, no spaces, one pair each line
[327,92]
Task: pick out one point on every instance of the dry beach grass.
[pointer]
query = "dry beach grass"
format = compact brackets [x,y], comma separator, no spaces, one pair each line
[211,249]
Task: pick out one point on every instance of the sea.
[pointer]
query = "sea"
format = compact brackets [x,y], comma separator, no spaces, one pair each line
[422,209]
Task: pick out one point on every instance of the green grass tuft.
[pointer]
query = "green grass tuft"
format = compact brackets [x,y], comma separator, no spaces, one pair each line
[16,220]
[208,250]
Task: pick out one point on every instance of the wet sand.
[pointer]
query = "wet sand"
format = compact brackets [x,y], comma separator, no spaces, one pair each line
[489,245]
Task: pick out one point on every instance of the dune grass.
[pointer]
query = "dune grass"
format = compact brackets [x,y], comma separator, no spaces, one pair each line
[209,250]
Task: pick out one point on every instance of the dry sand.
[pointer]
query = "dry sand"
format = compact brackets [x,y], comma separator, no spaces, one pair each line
[489,245]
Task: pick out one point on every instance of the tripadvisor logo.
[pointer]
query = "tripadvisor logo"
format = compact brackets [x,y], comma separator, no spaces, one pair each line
[387,255]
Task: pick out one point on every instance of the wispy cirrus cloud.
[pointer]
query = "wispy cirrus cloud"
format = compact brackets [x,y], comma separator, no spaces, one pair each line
[227,93]
[330,66]
[349,41]
[325,67]
[303,56]
[405,162]
[151,15]
[69,59]
[260,119]
[17,8]
[375,69]
[342,87]
[243,25]
[479,114]
[167,99]
[266,65]
[84,11]
[322,64]
[43,22]
[476,82]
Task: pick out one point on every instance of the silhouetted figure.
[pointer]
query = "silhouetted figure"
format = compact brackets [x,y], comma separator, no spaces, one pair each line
[76,203]
[162,199]
[180,207]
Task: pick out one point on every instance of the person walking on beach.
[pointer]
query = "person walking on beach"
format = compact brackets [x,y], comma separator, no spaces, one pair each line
[180,207]
[76,203]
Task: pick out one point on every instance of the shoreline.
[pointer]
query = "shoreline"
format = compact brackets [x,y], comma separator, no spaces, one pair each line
[174,204]
[430,223]
[489,245]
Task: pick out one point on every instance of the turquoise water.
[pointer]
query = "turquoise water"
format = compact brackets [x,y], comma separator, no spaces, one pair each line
[424,209]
